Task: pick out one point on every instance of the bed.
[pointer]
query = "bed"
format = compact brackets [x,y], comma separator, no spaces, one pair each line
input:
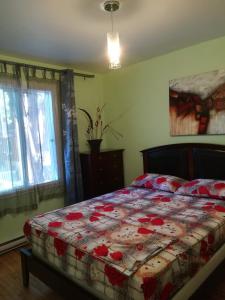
[107,277]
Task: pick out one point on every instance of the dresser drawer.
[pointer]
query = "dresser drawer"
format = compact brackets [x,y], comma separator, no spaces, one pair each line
[108,162]
[116,167]
[117,156]
[99,163]
[103,172]
[100,177]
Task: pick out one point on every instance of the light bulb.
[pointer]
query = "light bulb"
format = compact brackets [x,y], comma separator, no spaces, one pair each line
[114,51]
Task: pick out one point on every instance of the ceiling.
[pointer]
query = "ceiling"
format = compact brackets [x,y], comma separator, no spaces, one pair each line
[73,32]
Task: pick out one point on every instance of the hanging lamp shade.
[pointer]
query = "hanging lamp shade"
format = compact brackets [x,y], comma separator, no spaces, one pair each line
[114,51]
[113,40]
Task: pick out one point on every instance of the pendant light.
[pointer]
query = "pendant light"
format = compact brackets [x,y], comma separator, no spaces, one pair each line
[113,41]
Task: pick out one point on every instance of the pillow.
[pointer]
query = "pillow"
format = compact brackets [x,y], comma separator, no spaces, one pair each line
[167,183]
[209,188]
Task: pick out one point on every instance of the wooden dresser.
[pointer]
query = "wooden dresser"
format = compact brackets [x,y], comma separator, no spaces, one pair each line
[102,172]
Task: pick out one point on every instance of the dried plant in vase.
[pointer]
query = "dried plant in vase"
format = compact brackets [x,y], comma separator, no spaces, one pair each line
[97,129]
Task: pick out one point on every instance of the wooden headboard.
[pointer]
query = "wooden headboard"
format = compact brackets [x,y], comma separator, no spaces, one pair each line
[187,160]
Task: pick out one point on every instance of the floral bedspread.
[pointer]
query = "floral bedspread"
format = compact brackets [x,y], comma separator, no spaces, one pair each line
[128,229]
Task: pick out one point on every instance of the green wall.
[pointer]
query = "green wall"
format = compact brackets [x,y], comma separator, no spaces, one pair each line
[88,95]
[141,92]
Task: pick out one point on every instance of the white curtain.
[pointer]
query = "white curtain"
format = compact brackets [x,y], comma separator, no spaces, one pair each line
[30,148]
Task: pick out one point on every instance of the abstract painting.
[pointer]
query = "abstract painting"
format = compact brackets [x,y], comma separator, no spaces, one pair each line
[197,104]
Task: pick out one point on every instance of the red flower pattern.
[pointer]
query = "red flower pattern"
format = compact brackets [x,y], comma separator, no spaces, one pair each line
[157,221]
[203,190]
[149,287]
[220,208]
[79,254]
[55,224]
[165,199]
[219,185]
[148,185]
[166,291]
[211,238]
[207,207]
[160,180]
[143,230]
[144,220]
[27,229]
[123,191]
[204,250]
[156,181]
[101,250]
[93,218]
[212,206]
[106,208]
[52,233]
[169,247]
[114,276]
[99,207]
[60,246]
[176,184]
[191,183]
[97,214]
[74,216]
[117,255]
[204,187]
[139,247]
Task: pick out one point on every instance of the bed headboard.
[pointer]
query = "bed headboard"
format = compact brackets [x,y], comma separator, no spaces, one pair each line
[187,160]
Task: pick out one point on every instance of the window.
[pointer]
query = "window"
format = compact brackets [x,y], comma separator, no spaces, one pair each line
[28,152]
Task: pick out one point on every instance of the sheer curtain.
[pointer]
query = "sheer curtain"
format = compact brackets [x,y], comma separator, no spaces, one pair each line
[31,161]
[39,151]
[42,137]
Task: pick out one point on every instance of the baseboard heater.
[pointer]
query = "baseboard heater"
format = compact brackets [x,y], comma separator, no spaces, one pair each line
[13,244]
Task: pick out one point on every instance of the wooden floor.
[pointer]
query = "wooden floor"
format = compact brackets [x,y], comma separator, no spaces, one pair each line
[11,285]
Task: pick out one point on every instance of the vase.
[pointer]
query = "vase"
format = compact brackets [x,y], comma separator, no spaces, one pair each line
[95,145]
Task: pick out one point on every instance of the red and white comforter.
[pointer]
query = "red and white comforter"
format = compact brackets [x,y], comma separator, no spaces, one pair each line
[135,237]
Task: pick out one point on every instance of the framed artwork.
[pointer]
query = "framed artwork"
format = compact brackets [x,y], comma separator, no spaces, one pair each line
[197,104]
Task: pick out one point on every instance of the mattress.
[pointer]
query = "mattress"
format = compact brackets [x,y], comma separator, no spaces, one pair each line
[135,243]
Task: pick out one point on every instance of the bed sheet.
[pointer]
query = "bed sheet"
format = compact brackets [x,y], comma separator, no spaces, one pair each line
[134,243]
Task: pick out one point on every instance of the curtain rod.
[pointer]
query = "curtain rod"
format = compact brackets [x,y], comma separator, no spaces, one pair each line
[46,69]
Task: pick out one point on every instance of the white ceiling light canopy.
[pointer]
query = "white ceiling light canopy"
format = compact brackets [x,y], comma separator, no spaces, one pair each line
[113,41]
